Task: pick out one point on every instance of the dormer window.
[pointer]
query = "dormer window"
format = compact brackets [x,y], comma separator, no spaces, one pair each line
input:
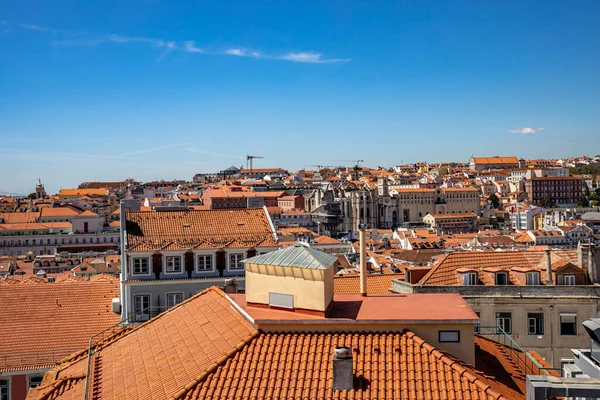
[564,279]
[533,278]
[469,278]
[501,278]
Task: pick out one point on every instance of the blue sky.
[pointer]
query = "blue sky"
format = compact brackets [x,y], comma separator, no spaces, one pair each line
[107,90]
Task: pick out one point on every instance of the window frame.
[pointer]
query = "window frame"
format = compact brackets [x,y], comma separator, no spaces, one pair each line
[139,317]
[168,294]
[504,319]
[5,386]
[229,261]
[469,275]
[477,325]
[29,378]
[133,266]
[497,275]
[537,319]
[166,264]
[210,257]
[574,323]
[449,331]
[532,274]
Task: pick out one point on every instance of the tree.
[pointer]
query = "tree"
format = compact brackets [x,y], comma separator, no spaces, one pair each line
[583,201]
[547,203]
[494,200]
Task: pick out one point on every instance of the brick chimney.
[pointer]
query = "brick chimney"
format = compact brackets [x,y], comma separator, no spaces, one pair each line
[343,377]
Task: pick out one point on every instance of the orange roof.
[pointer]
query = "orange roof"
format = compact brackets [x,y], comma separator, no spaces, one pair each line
[326,239]
[204,349]
[58,212]
[445,272]
[176,230]
[19,217]
[376,283]
[82,192]
[35,226]
[495,160]
[54,319]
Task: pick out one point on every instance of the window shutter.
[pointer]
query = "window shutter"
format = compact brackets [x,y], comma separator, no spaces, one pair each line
[157,264]
[568,318]
[189,262]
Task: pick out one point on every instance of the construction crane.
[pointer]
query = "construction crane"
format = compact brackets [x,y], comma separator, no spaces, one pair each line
[356,162]
[249,158]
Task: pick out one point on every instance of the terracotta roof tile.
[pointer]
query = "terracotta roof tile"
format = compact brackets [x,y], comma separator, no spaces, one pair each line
[41,318]
[376,283]
[176,230]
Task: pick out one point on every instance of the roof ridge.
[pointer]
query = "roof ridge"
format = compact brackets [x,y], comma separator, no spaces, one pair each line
[219,362]
[56,385]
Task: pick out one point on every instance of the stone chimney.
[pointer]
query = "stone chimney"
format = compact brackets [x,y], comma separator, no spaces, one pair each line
[587,259]
[548,266]
[363,259]
[230,286]
[343,377]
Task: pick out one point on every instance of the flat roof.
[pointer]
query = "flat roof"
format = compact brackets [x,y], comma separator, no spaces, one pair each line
[374,309]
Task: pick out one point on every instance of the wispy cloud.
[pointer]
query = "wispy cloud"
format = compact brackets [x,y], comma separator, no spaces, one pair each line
[153,149]
[300,57]
[190,47]
[527,131]
[38,28]
[211,153]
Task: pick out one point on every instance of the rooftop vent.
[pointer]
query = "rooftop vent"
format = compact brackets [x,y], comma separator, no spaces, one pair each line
[343,377]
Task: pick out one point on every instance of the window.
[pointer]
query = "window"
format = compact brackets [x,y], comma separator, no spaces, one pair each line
[205,262]
[3,389]
[140,266]
[35,381]
[533,278]
[477,325]
[501,278]
[235,261]
[535,323]
[449,336]
[568,279]
[141,307]
[504,322]
[568,323]
[469,278]
[173,299]
[173,264]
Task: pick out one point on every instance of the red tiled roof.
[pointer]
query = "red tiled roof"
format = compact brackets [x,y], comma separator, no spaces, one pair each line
[204,349]
[495,160]
[52,318]
[376,283]
[149,231]
[445,272]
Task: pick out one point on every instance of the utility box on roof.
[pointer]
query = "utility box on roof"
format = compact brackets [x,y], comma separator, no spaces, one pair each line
[116,305]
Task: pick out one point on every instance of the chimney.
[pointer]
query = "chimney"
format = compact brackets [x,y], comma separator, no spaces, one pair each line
[343,378]
[548,266]
[230,286]
[363,259]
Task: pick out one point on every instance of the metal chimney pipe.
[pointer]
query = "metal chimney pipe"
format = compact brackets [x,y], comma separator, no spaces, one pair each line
[548,266]
[363,259]
[343,377]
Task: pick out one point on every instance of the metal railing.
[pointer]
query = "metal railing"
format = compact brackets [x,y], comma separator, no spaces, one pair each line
[522,358]
[18,360]
[132,319]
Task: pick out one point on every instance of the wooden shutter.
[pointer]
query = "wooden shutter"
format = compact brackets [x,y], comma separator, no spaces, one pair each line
[157,264]
[189,263]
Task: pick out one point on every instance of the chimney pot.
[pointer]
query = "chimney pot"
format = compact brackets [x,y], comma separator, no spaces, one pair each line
[343,377]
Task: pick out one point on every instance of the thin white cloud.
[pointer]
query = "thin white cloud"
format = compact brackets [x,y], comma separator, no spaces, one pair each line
[187,46]
[527,131]
[211,153]
[153,149]
[237,52]
[310,57]
[190,47]
[38,28]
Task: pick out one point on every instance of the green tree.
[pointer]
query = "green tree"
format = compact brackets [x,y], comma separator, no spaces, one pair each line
[493,199]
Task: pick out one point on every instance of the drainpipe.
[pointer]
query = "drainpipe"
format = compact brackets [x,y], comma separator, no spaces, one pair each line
[363,259]
[548,267]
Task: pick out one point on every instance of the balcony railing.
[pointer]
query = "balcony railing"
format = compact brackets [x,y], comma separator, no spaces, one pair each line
[517,354]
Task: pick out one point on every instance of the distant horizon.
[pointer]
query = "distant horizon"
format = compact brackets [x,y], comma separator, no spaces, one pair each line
[164,88]
[55,190]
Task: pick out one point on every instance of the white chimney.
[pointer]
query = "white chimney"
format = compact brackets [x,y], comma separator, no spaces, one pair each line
[363,259]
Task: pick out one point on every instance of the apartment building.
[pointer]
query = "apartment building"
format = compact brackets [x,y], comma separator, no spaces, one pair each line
[169,256]
[540,298]
[562,191]
[482,163]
